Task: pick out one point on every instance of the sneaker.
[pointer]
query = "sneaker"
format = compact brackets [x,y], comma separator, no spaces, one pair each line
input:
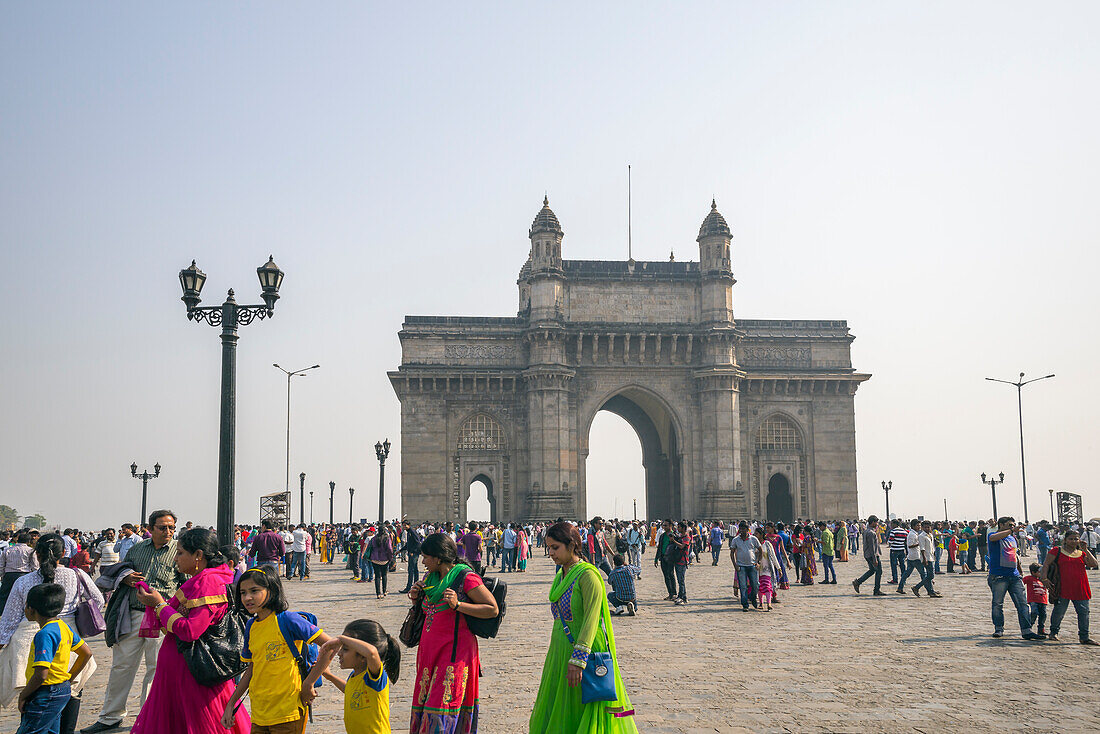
[879,593]
[99,726]
[916,592]
[680,602]
[997,635]
[1052,637]
[900,590]
[1090,641]
[631,609]
[1032,636]
[822,582]
[617,611]
[855,585]
[935,594]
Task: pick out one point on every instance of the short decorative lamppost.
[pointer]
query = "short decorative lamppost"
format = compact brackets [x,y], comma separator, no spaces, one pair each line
[1053,520]
[351,505]
[145,476]
[311,507]
[382,451]
[993,482]
[886,487]
[331,493]
[229,316]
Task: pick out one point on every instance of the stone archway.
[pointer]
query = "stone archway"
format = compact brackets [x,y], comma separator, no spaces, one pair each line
[780,504]
[490,496]
[655,426]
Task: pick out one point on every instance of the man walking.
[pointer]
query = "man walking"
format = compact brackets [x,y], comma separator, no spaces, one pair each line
[664,557]
[744,551]
[827,553]
[268,547]
[896,540]
[635,540]
[154,562]
[411,541]
[924,539]
[716,538]
[912,555]
[297,553]
[1005,578]
[872,553]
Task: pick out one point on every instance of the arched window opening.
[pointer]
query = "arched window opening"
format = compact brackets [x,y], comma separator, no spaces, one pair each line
[778,433]
[477,506]
[481,433]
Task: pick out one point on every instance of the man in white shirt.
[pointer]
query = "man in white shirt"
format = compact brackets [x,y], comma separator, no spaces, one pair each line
[288,541]
[912,555]
[927,553]
[297,553]
[104,551]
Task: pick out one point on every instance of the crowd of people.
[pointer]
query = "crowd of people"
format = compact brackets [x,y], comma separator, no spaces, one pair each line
[170,595]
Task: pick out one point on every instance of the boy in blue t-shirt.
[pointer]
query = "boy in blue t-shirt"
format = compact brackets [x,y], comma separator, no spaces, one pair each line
[48,687]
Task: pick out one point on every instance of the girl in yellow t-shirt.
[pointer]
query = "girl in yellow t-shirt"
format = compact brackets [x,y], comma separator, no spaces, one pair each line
[272,679]
[375,661]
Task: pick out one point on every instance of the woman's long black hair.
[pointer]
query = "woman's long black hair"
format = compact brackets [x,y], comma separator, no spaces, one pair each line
[49,549]
[370,631]
[438,545]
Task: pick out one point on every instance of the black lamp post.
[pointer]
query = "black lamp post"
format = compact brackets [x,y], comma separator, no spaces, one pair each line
[635,510]
[145,476]
[1019,384]
[886,487]
[302,498]
[311,507]
[382,451]
[1052,518]
[993,482]
[351,504]
[229,316]
[331,492]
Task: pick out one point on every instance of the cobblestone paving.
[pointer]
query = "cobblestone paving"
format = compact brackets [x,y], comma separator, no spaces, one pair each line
[825,660]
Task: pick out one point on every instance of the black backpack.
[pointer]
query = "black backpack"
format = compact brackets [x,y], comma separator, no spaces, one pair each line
[486,628]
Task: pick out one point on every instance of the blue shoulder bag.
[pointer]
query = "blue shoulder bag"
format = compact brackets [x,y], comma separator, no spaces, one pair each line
[598,678]
[309,653]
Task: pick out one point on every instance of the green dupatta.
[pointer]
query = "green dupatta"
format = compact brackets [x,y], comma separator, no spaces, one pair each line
[434,585]
[564,581]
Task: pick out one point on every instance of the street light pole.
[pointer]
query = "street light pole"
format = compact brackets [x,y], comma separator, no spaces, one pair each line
[945,509]
[1019,384]
[229,316]
[1053,520]
[351,505]
[331,492]
[382,451]
[145,476]
[993,482]
[635,509]
[887,486]
[311,507]
[301,499]
[289,374]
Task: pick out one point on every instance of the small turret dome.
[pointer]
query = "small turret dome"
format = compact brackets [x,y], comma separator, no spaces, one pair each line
[714,224]
[545,220]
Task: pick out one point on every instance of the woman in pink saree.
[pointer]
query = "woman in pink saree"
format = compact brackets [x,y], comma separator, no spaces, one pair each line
[177,703]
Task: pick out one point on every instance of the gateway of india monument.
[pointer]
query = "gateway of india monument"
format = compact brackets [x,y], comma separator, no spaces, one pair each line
[742,418]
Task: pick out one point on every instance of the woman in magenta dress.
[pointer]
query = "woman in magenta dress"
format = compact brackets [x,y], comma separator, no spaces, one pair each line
[445,694]
[177,703]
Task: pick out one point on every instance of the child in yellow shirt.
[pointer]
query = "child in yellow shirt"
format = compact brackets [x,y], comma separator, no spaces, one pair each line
[375,661]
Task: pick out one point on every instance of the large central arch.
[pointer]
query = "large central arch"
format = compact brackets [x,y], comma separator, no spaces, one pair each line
[655,424]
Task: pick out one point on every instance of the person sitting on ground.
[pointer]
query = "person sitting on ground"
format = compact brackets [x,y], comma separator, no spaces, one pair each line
[623,593]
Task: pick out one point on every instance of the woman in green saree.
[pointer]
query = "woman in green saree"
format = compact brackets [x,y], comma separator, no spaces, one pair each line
[577,601]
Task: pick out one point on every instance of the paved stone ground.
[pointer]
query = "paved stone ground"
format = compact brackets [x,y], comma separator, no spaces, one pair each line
[825,660]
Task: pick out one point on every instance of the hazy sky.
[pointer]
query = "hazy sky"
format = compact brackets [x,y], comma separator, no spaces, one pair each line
[927,171]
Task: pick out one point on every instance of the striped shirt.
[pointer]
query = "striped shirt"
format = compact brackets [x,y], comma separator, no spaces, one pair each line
[157,566]
[622,581]
[897,539]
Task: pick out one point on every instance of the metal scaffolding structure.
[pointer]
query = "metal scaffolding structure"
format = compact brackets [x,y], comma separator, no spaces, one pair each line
[1069,508]
[275,507]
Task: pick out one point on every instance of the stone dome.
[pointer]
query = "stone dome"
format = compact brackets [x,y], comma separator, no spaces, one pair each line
[714,224]
[545,220]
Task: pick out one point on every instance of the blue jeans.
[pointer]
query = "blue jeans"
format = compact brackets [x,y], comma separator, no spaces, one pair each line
[297,563]
[681,581]
[926,575]
[1038,614]
[715,551]
[1014,587]
[749,584]
[1081,606]
[508,560]
[366,568]
[827,566]
[414,571]
[897,563]
[939,554]
[42,714]
[910,567]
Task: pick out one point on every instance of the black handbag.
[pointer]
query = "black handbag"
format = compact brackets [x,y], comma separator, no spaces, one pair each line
[1054,575]
[413,626]
[215,657]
